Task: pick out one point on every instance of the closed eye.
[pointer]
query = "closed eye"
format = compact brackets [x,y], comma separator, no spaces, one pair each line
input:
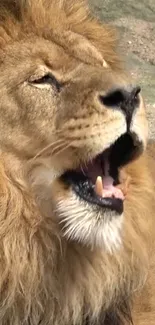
[48,79]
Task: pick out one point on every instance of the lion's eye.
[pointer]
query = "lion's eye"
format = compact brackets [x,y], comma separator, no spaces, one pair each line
[48,79]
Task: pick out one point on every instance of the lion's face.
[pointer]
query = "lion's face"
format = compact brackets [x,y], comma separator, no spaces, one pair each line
[86,121]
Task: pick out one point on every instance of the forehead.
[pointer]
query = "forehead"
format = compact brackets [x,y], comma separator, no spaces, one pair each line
[34,51]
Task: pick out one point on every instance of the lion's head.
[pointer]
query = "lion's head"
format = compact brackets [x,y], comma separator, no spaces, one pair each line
[75,197]
[67,107]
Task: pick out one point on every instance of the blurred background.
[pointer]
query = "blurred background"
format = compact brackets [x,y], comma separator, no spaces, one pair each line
[135,21]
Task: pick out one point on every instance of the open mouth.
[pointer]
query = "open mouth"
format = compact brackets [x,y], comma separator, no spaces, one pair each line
[97,182]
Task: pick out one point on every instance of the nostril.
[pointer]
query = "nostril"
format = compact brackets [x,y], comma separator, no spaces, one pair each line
[134,94]
[136,91]
[114,98]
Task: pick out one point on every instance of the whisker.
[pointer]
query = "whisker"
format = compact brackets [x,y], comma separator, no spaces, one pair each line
[66,147]
[83,172]
[86,164]
[57,148]
[60,141]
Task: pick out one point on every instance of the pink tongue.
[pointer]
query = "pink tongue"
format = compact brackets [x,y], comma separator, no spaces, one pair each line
[109,190]
[104,187]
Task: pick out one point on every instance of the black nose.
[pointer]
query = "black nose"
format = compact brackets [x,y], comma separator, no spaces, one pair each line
[124,99]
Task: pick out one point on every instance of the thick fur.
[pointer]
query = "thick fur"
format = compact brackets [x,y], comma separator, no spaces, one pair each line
[46,276]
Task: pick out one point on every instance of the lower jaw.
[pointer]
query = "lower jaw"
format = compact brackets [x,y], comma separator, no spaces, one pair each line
[112,204]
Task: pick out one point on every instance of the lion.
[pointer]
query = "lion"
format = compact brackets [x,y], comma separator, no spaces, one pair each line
[76,173]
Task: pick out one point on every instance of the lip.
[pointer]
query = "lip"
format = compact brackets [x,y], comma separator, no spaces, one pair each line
[82,180]
[84,189]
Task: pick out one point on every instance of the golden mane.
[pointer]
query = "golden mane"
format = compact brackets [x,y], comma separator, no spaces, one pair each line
[56,20]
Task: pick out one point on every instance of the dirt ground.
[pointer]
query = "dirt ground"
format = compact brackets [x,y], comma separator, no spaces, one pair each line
[135,22]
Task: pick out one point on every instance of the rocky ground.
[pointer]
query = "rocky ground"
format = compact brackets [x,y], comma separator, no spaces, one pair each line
[135,21]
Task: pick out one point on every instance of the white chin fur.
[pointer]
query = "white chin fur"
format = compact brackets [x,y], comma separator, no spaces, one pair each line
[82,223]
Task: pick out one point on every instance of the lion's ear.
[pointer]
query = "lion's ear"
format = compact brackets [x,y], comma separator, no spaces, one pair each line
[80,47]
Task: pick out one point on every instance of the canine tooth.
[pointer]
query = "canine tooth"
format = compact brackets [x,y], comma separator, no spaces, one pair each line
[99,186]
